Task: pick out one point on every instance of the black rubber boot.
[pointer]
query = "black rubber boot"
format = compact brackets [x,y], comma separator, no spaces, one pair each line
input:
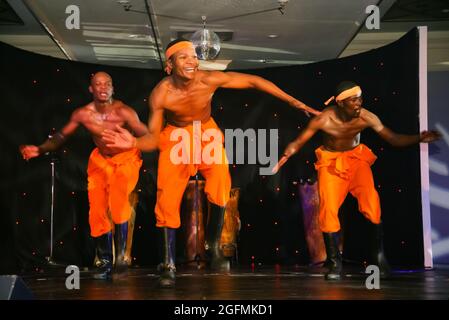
[377,251]
[104,252]
[120,239]
[168,267]
[212,239]
[334,260]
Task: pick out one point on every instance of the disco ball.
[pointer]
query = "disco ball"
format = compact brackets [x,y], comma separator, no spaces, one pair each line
[206,43]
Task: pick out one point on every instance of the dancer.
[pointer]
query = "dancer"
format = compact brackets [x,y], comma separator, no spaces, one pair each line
[343,166]
[112,174]
[184,97]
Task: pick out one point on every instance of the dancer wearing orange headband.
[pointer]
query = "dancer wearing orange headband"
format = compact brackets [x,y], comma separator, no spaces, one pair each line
[183,97]
[344,166]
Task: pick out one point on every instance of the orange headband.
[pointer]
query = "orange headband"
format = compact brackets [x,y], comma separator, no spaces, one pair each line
[354,91]
[176,47]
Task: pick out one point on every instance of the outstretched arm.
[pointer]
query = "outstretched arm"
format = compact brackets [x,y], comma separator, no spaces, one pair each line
[53,143]
[403,140]
[293,147]
[312,127]
[397,139]
[236,80]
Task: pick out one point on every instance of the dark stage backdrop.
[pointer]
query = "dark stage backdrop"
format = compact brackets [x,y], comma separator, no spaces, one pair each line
[39,93]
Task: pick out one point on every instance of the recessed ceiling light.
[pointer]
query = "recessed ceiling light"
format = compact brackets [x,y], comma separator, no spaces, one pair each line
[272,36]
[140,36]
[125,3]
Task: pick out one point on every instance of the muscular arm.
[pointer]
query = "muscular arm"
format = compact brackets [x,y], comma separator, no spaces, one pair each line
[236,80]
[53,143]
[399,140]
[60,137]
[402,140]
[393,138]
[150,141]
[132,120]
[313,126]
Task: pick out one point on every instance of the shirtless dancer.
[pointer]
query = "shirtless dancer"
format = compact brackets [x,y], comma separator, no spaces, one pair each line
[183,97]
[343,166]
[112,173]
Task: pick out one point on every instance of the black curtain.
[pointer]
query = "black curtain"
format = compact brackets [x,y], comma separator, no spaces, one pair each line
[39,94]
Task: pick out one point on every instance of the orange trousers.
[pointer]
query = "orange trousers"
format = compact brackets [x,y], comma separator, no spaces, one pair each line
[343,172]
[110,181]
[173,176]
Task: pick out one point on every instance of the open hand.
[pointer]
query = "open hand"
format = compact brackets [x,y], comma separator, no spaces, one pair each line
[429,136]
[121,139]
[306,109]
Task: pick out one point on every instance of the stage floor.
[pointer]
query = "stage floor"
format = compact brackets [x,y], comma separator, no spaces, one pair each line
[243,283]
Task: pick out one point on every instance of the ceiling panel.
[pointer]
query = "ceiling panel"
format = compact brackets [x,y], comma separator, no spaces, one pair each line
[257,34]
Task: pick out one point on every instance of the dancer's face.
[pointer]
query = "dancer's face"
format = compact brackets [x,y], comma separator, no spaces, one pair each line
[101,87]
[185,63]
[352,106]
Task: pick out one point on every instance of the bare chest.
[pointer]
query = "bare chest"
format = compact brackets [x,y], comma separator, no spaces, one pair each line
[344,130]
[97,122]
[188,103]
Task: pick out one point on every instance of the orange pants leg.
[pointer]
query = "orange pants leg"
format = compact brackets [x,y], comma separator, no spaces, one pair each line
[332,191]
[218,183]
[362,188]
[172,181]
[121,183]
[98,201]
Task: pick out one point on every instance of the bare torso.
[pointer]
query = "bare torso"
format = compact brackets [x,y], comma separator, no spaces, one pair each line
[342,135]
[192,103]
[96,122]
